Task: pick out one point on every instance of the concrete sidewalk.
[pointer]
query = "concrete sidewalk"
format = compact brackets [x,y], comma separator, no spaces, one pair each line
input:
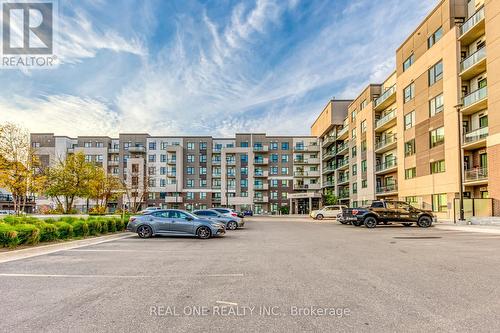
[488,229]
[51,248]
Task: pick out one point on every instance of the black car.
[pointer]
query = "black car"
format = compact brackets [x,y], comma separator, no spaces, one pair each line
[388,212]
[247,213]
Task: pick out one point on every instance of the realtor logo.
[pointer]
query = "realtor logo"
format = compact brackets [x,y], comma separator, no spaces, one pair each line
[28,33]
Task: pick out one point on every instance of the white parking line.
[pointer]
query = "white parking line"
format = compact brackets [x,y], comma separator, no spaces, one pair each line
[112,276]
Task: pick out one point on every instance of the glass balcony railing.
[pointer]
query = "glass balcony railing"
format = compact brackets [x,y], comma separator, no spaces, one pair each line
[476,174]
[343,179]
[342,163]
[476,135]
[388,164]
[473,59]
[387,189]
[385,119]
[344,193]
[328,183]
[385,95]
[475,97]
[343,131]
[472,21]
[385,141]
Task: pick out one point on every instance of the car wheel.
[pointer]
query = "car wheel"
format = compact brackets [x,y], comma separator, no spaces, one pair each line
[407,224]
[319,217]
[144,231]
[357,223]
[343,222]
[370,222]
[424,222]
[203,232]
[232,225]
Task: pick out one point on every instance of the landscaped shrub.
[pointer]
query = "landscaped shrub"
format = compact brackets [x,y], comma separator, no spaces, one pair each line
[64,229]
[95,227]
[8,236]
[27,234]
[48,231]
[80,228]
[68,219]
[111,224]
[104,228]
[119,225]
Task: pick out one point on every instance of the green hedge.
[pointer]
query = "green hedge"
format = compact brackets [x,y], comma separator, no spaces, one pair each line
[30,231]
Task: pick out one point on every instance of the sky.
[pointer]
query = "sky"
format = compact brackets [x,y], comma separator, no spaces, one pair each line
[219,67]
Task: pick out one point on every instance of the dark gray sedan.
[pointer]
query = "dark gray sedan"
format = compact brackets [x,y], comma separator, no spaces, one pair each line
[174,222]
[231,222]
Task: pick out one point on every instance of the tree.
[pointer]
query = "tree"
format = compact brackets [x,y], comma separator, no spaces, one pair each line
[136,190]
[68,180]
[103,188]
[329,198]
[17,165]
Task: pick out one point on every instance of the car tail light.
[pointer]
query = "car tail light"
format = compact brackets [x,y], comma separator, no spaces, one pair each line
[355,212]
[234,214]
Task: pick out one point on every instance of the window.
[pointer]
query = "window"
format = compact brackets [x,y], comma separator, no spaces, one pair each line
[437,167]
[363,126]
[408,62]
[203,183]
[244,182]
[409,92]
[190,158]
[285,146]
[203,171]
[409,120]
[273,170]
[190,183]
[483,121]
[354,188]
[412,200]
[435,73]
[410,147]
[203,195]
[244,144]
[163,182]
[435,37]
[203,145]
[152,145]
[152,158]
[284,171]
[439,203]
[244,158]
[354,151]
[274,146]
[353,133]
[163,158]
[410,173]
[190,170]
[354,169]
[436,137]
[274,158]
[190,195]
[363,166]
[364,183]
[284,183]
[436,105]
[190,145]
[353,115]
[163,171]
[363,146]
[284,158]
[363,105]
[274,183]
[203,158]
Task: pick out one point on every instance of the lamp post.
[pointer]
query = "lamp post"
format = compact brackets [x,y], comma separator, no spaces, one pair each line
[461,218]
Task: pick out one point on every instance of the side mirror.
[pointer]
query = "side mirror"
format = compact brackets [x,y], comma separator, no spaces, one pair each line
[189,218]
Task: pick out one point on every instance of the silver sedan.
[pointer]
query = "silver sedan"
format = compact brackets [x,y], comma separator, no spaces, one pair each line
[231,222]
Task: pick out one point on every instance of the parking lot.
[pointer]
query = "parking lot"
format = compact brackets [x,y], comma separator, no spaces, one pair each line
[273,275]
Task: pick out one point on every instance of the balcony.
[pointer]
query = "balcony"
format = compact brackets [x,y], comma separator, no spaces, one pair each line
[216,186]
[343,148]
[343,180]
[261,161]
[306,161]
[387,190]
[172,161]
[217,150]
[231,162]
[328,156]
[262,174]
[113,163]
[386,122]
[216,174]
[173,199]
[476,176]
[388,166]
[261,148]
[386,144]
[137,149]
[475,101]
[342,164]
[215,162]
[305,174]
[329,183]
[473,28]
[301,148]
[303,187]
[261,199]
[261,187]
[327,141]
[328,169]
[113,150]
[475,139]
[343,134]
[474,65]
[216,199]
[171,174]
[344,193]
[387,98]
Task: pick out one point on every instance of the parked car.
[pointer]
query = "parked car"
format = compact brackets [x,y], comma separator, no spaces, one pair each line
[229,212]
[247,213]
[327,212]
[149,210]
[231,223]
[389,212]
[174,222]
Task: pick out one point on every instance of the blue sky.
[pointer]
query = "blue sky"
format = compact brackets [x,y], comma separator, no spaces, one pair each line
[187,67]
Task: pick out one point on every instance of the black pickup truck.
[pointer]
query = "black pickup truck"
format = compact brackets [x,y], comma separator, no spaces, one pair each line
[388,212]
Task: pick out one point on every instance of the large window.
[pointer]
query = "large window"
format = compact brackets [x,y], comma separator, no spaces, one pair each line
[409,92]
[436,137]
[437,167]
[435,37]
[363,126]
[410,147]
[408,62]
[435,73]
[410,173]
[409,120]
[439,203]
[436,105]
[363,104]
[363,166]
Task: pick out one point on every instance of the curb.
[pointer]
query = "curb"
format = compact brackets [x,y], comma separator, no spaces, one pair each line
[469,228]
[51,248]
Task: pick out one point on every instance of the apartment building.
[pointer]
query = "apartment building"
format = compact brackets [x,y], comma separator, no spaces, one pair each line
[250,171]
[415,135]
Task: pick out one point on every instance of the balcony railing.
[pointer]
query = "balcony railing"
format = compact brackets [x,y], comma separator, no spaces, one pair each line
[328,140]
[343,131]
[329,168]
[342,147]
[387,189]
[343,179]
[476,135]
[137,149]
[329,183]
[476,174]
[344,193]
[472,21]
[260,148]
[475,96]
[306,148]
[473,59]
[385,119]
[386,141]
[114,150]
[385,95]
[391,163]
[328,155]
[342,163]
[261,186]
[261,161]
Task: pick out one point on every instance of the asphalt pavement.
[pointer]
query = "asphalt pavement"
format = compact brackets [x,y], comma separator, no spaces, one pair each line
[271,276]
